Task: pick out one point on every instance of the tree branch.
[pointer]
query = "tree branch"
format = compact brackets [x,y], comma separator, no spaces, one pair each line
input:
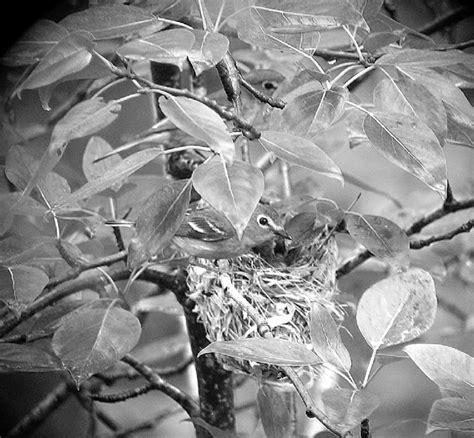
[464,228]
[444,20]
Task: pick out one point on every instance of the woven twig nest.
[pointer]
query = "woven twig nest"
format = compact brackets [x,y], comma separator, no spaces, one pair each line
[282,292]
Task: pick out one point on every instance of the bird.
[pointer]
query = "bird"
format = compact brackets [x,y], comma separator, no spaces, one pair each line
[206,233]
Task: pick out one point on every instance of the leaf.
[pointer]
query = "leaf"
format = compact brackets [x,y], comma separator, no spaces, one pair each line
[451,413]
[451,369]
[314,111]
[68,56]
[21,283]
[346,408]
[208,49]
[161,215]
[115,21]
[274,411]
[377,40]
[410,144]
[31,47]
[397,309]
[270,351]
[299,151]
[233,189]
[406,96]
[200,121]
[83,119]
[98,147]
[113,176]
[166,47]
[326,339]
[460,126]
[381,237]
[25,358]
[426,58]
[91,340]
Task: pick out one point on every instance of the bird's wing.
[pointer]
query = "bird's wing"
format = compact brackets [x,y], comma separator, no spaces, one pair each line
[199,227]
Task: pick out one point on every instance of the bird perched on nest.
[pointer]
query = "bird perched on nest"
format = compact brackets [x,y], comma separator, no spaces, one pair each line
[206,233]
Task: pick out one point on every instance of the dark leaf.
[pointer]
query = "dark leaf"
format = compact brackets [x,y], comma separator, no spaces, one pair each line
[68,56]
[451,369]
[21,283]
[166,47]
[110,21]
[327,340]
[161,215]
[274,410]
[91,340]
[452,413]
[410,144]
[377,40]
[233,189]
[27,359]
[270,351]
[397,309]
[208,49]
[113,176]
[381,237]
[299,151]
[200,121]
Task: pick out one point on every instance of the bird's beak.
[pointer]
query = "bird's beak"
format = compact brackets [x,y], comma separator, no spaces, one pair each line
[280,231]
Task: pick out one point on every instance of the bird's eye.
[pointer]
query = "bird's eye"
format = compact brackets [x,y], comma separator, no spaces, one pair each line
[269,85]
[262,220]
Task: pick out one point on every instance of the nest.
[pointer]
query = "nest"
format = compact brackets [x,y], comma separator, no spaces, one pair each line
[282,291]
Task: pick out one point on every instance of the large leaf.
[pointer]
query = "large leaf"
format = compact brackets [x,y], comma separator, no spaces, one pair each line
[68,56]
[345,408]
[166,47]
[83,119]
[410,144]
[34,43]
[233,189]
[426,58]
[300,151]
[93,339]
[111,21]
[208,49]
[274,411]
[460,126]
[397,309]
[327,340]
[200,121]
[111,177]
[270,351]
[380,236]
[451,369]
[25,358]
[451,413]
[21,283]
[160,217]
[408,97]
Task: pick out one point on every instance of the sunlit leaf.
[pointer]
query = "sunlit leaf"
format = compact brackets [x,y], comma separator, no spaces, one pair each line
[92,340]
[21,283]
[346,408]
[208,49]
[269,351]
[397,309]
[30,48]
[25,358]
[460,126]
[109,21]
[327,340]
[410,144]
[274,411]
[113,176]
[426,58]
[68,56]
[160,217]
[233,189]
[380,236]
[299,151]
[167,47]
[451,369]
[451,413]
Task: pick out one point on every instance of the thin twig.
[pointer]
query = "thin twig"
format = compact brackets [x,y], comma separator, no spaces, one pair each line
[464,228]
[262,97]
[123,396]
[457,46]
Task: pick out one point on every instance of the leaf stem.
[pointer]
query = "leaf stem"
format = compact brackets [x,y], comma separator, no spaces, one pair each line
[369,369]
[358,76]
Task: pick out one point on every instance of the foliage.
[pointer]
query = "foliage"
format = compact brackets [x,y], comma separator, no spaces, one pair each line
[292,103]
